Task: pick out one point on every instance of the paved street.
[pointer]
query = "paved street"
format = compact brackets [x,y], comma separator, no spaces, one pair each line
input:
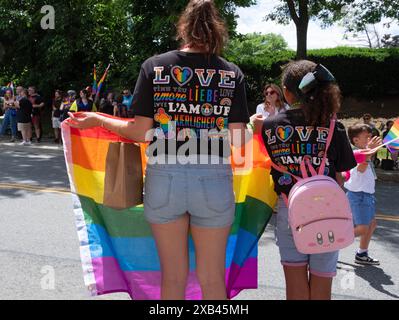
[38,237]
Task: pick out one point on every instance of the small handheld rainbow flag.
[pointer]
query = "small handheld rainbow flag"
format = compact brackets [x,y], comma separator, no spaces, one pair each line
[101,82]
[393,137]
[94,88]
[118,251]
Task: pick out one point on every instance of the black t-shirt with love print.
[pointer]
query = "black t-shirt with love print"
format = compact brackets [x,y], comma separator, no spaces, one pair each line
[289,140]
[192,99]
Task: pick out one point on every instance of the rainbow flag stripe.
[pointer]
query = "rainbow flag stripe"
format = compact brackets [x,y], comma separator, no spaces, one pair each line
[393,134]
[117,250]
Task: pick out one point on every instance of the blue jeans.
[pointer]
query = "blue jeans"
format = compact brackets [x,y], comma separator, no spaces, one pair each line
[9,119]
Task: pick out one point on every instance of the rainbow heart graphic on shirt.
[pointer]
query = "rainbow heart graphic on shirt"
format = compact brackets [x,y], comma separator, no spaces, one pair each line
[284,133]
[163,118]
[182,75]
[221,123]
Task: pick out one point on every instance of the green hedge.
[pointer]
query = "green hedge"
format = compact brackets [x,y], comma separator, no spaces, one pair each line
[361,72]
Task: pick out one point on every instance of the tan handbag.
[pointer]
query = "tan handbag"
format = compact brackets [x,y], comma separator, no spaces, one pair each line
[123,185]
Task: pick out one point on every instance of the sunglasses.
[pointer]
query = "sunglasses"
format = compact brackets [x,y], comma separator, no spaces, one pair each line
[270,93]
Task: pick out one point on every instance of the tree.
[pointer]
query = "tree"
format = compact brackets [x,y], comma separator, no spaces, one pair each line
[364,12]
[84,34]
[302,11]
[254,45]
[121,32]
[360,20]
[366,37]
[372,11]
[361,17]
[390,41]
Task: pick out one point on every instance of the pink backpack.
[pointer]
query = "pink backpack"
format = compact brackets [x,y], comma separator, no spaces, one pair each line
[319,212]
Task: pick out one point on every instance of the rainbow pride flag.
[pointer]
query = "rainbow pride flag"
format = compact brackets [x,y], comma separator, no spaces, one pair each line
[118,252]
[393,134]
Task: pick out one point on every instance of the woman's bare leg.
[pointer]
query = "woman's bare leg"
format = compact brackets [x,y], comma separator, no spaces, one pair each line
[172,244]
[210,247]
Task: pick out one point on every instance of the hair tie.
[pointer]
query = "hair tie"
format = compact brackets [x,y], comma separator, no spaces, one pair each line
[312,79]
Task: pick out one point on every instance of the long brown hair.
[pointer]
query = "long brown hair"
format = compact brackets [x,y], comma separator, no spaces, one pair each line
[320,104]
[202,27]
[277,89]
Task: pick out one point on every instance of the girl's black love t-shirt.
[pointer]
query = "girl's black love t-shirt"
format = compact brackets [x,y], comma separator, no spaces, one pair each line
[289,140]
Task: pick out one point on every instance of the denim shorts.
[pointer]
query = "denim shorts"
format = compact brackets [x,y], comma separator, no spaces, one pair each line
[204,191]
[362,206]
[322,265]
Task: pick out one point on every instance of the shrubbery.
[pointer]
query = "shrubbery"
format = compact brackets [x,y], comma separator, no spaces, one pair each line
[361,72]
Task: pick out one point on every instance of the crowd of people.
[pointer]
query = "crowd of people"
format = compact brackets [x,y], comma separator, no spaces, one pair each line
[23,110]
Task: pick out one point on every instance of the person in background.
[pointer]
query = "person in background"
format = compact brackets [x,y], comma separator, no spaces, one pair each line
[66,104]
[108,105]
[120,109]
[10,115]
[38,105]
[367,119]
[19,92]
[127,101]
[394,154]
[24,118]
[84,103]
[273,103]
[56,114]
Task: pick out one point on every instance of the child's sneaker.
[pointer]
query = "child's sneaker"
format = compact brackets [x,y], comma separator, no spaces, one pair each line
[364,259]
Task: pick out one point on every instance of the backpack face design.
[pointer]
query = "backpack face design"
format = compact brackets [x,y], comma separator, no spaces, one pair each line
[319,215]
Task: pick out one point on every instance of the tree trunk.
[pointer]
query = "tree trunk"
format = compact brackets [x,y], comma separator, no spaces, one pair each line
[302,35]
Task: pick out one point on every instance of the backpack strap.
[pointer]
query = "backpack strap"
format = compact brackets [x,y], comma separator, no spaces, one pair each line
[277,168]
[285,199]
[329,139]
[307,163]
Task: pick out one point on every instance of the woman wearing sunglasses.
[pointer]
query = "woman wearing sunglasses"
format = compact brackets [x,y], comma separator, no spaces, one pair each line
[273,103]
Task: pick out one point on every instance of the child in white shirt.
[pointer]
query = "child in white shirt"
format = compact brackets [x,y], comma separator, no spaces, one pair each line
[361,190]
